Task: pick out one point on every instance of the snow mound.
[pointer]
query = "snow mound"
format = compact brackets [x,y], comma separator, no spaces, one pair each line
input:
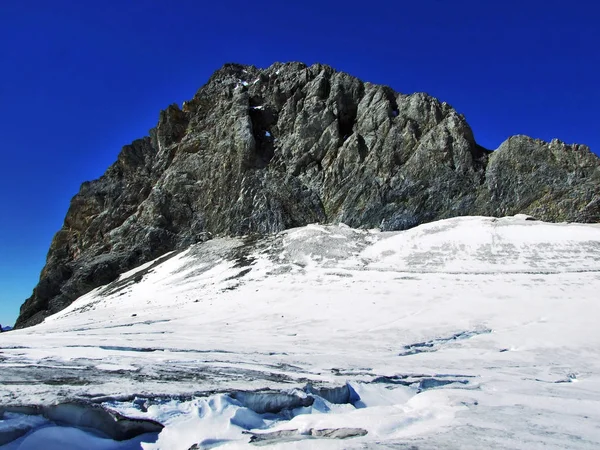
[485,244]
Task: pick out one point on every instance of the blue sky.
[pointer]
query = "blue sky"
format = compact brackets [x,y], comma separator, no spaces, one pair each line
[80,79]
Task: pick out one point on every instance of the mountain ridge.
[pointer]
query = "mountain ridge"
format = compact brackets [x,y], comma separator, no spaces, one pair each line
[260,151]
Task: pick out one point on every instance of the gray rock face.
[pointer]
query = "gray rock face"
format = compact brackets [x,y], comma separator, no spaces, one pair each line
[259,151]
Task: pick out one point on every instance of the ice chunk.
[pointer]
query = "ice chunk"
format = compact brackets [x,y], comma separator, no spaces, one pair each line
[337,395]
[270,402]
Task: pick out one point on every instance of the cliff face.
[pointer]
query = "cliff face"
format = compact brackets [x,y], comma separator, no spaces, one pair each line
[259,151]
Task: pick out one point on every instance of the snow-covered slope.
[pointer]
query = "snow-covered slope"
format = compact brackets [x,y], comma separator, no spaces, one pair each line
[465,333]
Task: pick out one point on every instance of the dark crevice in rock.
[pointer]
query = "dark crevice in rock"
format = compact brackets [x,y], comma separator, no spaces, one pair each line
[394,111]
[264,120]
[324,88]
[347,110]
[362,148]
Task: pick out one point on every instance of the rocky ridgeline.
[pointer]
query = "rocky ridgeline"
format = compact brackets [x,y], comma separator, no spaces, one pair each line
[259,151]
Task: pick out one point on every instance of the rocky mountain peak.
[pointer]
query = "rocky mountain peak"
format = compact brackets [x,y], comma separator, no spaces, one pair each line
[263,150]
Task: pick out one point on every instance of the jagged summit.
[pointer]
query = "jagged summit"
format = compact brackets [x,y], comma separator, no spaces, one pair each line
[263,150]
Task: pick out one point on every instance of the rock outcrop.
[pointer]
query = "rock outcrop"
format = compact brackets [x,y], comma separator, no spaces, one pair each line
[259,151]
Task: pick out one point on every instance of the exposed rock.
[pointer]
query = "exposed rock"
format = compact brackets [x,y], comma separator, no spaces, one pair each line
[281,436]
[259,151]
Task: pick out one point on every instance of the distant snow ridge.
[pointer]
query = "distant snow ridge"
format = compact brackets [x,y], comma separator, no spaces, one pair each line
[472,332]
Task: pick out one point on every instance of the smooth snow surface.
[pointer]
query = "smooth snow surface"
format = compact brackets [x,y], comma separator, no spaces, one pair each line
[471,332]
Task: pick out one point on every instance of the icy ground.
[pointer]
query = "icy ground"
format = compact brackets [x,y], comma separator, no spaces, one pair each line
[465,333]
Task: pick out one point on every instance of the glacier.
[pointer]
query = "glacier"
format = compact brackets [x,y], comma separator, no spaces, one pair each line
[471,332]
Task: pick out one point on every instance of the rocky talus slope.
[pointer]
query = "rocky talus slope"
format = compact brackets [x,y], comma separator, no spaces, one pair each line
[259,151]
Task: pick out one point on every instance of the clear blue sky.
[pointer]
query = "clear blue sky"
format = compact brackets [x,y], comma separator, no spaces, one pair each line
[79,79]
